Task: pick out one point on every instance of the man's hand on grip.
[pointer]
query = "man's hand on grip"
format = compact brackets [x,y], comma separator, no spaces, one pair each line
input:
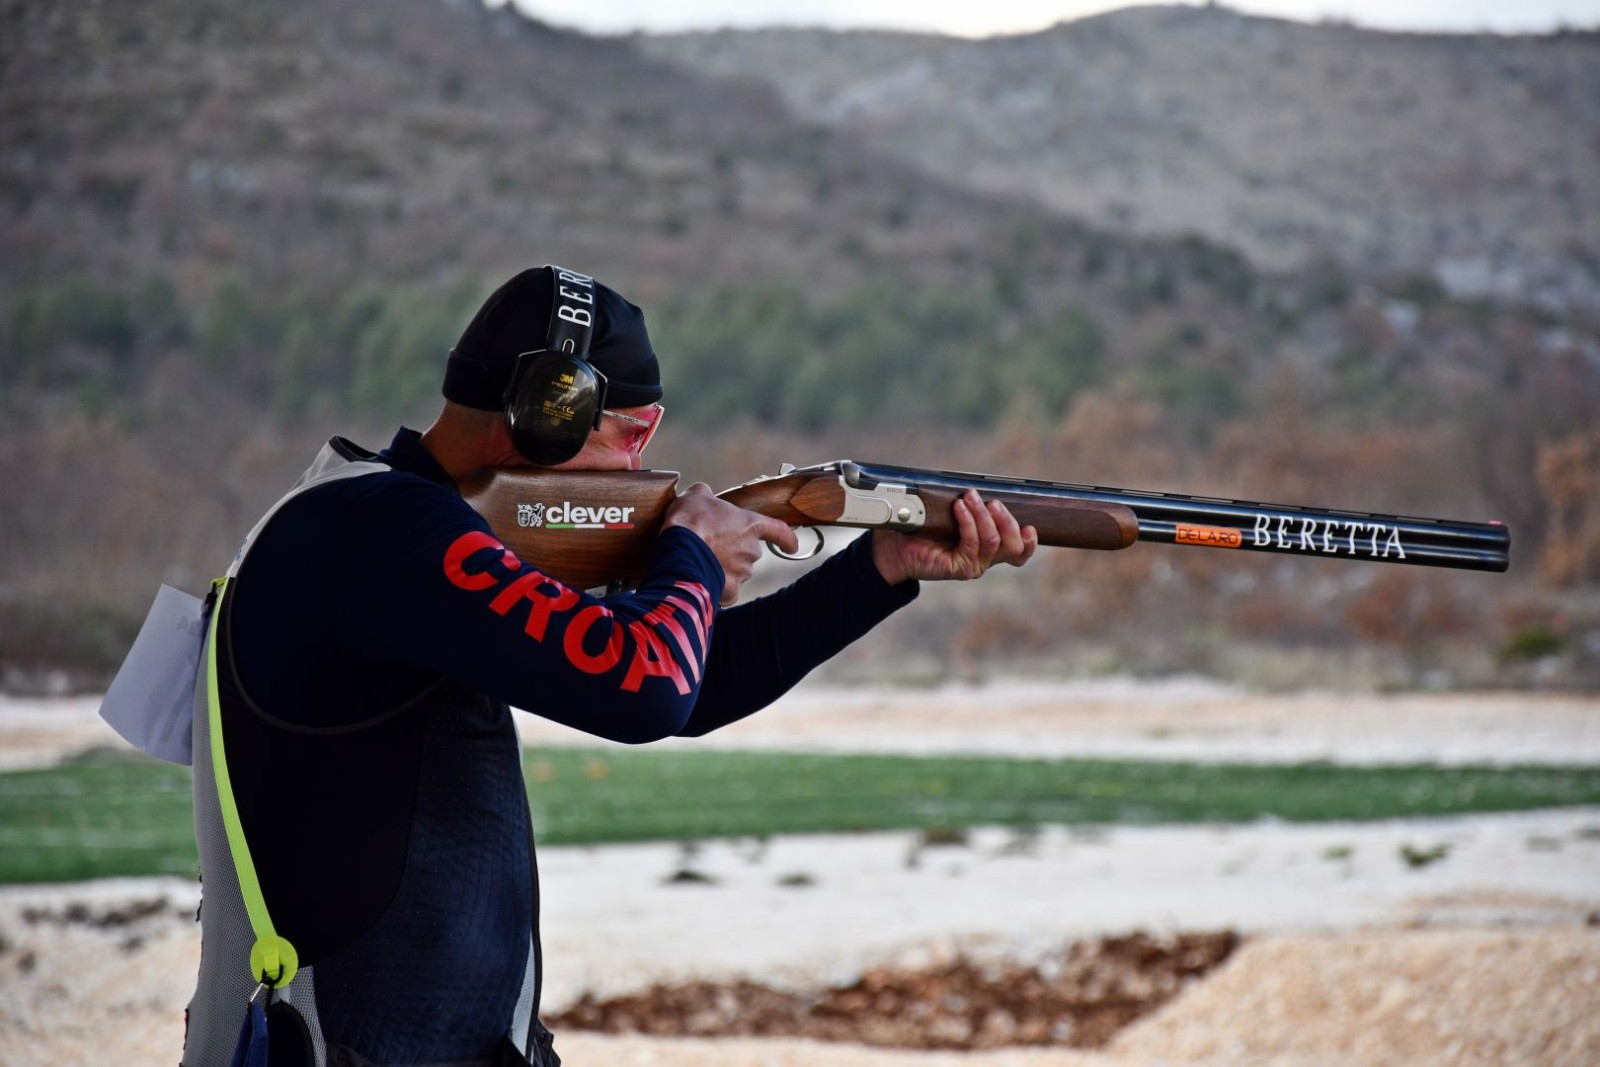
[733,534]
[989,534]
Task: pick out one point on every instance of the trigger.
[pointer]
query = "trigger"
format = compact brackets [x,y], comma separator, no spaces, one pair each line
[816,546]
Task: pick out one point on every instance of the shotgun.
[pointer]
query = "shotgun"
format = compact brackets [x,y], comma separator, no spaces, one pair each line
[595,528]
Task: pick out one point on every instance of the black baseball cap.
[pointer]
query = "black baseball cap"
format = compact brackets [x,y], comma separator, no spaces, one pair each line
[516,319]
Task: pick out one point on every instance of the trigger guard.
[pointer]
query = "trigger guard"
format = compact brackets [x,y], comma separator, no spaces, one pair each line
[815,547]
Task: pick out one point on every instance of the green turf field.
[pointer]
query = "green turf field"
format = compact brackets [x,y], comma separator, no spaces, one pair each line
[119,815]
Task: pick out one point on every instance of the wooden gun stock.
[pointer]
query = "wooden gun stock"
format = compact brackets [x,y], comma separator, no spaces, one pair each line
[586,528]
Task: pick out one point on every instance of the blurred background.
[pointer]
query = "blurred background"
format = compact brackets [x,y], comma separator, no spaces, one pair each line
[1172,248]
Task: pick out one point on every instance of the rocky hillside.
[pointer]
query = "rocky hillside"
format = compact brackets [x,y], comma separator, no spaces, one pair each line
[419,140]
[231,227]
[1474,158]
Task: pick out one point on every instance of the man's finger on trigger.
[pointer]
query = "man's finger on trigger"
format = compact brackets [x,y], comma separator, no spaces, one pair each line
[781,534]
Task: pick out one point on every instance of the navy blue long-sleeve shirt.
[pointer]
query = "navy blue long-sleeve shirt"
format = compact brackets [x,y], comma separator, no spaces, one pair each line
[374,636]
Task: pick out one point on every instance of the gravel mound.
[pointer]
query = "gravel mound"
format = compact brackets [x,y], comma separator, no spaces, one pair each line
[1458,997]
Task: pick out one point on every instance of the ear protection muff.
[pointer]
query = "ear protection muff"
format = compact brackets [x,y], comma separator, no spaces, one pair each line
[555,396]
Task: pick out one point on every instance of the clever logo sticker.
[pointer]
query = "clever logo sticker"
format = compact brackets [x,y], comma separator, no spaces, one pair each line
[569,516]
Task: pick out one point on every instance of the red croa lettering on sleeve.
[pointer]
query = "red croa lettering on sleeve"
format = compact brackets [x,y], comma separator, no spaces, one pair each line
[702,596]
[691,614]
[531,587]
[661,617]
[578,629]
[462,549]
[650,657]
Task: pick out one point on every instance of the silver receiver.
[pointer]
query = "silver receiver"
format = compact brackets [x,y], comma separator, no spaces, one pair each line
[887,504]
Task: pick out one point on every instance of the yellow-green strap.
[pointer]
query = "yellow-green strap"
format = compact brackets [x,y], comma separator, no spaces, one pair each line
[273,959]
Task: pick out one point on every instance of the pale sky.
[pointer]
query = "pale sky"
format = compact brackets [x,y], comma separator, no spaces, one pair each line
[977,18]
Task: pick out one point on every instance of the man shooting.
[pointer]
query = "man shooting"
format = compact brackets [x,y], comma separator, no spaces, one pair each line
[370,889]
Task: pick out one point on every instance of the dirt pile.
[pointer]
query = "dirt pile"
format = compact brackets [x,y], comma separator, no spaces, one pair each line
[1446,997]
[1078,998]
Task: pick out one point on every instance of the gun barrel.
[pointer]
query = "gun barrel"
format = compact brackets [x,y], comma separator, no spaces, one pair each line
[1215,522]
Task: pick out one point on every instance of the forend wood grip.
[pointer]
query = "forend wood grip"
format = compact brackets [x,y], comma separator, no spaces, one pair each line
[821,496]
[585,528]
[1061,523]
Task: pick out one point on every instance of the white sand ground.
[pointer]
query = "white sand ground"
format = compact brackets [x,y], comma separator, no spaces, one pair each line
[1179,719]
[1487,955]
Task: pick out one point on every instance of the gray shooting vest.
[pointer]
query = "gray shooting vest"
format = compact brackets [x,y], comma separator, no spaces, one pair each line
[243,957]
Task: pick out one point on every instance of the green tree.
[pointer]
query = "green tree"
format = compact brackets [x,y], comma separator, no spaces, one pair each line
[738,349]
[160,316]
[1053,361]
[230,324]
